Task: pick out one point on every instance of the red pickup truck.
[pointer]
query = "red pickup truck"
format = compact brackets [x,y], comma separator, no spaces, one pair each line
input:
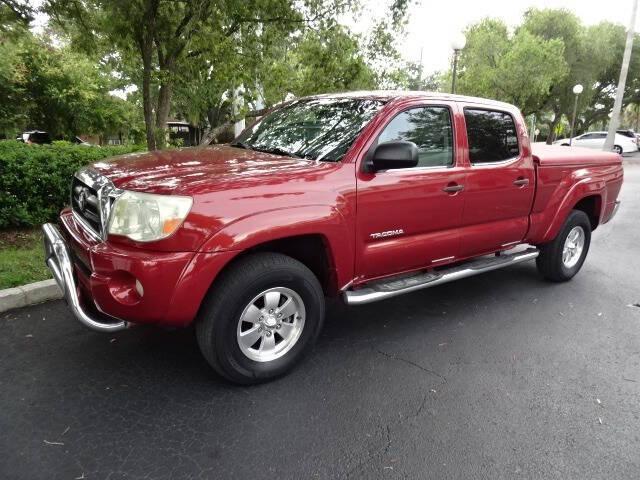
[362,195]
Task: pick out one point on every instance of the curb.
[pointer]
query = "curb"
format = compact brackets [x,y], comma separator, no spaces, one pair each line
[30,294]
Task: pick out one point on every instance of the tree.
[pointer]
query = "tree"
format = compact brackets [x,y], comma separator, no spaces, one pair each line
[162,37]
[324,60]
[606,41]
[519,68]
[581,68]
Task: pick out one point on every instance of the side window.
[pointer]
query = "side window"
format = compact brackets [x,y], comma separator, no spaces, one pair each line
[492,136]
[600,135]
[429,128]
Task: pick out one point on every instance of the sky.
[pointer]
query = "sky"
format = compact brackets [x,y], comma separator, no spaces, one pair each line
[434,24]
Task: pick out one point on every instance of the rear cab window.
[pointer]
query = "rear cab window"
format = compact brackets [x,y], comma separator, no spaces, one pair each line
[492,136]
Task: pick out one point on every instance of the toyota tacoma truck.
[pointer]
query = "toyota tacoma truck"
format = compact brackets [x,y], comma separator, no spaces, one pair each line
[362,196]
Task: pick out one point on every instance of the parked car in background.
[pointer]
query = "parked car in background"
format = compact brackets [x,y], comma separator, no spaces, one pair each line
[34,136]
[595,140]
[363,196]
[628,133]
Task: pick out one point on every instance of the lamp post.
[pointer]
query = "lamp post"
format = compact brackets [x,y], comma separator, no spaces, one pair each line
[458,44]
[577,90]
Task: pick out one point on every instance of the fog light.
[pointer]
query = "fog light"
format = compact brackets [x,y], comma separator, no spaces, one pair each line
[139,288]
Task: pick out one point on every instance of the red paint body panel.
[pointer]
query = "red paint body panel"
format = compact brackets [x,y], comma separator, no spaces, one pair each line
[242,199]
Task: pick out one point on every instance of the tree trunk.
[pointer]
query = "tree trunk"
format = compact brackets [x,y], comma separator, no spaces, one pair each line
[145,42]
[552,129]
[162,113]
[147,108]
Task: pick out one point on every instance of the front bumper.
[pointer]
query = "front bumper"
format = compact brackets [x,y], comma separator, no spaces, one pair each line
[58,259]
[110,285]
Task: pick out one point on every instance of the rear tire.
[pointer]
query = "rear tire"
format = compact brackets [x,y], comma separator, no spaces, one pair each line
[260,318]
[618,149]
[562,258]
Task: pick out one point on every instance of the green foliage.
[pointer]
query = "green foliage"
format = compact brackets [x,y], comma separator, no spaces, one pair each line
[538,65]
[21,258]
[519,69]
[157,44]
[328,60]
[35,179]
[57,89]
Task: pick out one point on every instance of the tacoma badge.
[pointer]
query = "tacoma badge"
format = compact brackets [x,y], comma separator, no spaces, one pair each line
[389,233]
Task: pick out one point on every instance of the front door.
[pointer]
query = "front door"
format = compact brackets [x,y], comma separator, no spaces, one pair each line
[500,182]
[409,218]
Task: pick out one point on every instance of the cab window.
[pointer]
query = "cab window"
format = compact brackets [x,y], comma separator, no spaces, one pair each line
[429,128]
[492,136]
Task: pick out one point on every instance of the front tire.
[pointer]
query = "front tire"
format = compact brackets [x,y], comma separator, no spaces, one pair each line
[260,318]
[562,258]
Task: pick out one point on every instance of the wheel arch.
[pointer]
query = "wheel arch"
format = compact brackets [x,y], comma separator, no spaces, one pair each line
[313,234]
[312,250]
[592,206]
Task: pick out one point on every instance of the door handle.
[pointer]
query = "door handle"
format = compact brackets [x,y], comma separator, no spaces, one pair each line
[453,188]
[521,182]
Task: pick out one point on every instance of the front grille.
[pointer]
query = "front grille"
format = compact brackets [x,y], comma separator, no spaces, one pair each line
[84,202]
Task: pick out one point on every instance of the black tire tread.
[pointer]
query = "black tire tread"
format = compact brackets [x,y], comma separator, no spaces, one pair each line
[231,281]
[550,258]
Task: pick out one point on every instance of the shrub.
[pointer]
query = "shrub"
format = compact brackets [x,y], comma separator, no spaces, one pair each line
[35,179]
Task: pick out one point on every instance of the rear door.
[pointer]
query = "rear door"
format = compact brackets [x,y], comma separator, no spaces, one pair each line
[409,218]
[500,181]
[583,140]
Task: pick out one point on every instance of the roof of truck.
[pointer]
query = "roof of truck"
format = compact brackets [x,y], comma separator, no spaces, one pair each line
[388,95]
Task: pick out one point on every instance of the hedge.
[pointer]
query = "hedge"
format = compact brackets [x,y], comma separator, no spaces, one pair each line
[35,179]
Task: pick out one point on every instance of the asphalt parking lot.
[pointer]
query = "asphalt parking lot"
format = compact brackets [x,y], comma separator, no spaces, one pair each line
[497,376]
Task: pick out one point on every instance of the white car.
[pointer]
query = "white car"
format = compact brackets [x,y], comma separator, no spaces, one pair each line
[595,140]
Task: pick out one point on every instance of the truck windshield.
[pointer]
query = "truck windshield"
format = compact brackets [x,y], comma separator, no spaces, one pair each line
[318,129]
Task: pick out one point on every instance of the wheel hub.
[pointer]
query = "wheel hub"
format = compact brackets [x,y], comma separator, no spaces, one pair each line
[573,247]
[270,321]
[271,324]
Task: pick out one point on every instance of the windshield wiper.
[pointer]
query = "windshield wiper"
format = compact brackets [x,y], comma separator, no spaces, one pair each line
[277,151]
[246,146]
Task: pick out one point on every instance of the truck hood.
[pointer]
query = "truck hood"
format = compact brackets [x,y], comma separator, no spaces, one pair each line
[556,156]
[193,171]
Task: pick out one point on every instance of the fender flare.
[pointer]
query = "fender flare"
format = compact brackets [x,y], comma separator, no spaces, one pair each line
[582,189]
[268,225]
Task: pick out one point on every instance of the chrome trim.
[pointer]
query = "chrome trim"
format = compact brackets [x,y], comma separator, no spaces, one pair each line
[86,226]
[501,162]
[106,192]
[58,259]
[445,259]
[381,290]
[508,244]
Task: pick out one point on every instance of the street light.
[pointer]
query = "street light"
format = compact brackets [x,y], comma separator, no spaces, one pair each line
[577,90]
[457,44]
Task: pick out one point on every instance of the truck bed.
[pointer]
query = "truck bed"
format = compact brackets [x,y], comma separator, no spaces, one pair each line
[556,155]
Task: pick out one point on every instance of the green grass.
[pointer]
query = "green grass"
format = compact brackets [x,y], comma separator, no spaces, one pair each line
[21,258]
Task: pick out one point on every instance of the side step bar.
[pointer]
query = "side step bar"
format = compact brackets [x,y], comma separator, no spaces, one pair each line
[383,289]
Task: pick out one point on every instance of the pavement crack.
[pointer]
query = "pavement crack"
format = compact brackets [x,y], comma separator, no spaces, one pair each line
[413,364]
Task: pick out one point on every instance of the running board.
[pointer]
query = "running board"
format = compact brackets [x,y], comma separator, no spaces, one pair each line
[387,288]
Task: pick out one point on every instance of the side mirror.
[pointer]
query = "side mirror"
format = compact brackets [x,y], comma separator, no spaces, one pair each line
[391,155]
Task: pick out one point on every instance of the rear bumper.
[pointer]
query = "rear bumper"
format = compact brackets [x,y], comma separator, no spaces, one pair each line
[109,286]
[614,211]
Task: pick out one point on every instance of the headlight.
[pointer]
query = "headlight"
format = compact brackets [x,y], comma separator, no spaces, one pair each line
[145,217]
